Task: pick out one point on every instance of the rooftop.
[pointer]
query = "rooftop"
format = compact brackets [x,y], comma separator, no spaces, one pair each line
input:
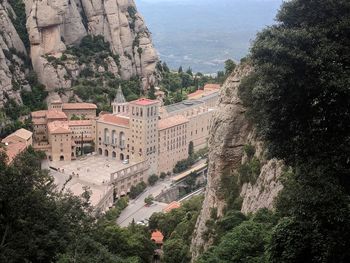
[39,114]
[144,102]
[119,98]
[55,114]
[186,104]
[115,119]
[13,149]
[21,133]
[171,206]
[79,106]
[157,237]
[172,121]
[58,127]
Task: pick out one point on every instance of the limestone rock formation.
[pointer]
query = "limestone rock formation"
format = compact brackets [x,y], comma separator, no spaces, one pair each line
[55,25]
[230,132]
[10,63]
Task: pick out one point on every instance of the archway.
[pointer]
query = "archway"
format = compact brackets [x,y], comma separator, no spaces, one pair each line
[99,151]
[114,155]
[122,157]
[106,153]
[61,158]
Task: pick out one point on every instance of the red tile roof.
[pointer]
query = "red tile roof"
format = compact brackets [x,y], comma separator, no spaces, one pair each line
[171,206]
[157,237]
[58,127]
[79,106]
[144,102]
[114,119]
[39,114]
[13,149]
[55,114]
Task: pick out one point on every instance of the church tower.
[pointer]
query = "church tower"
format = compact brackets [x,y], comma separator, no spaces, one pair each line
[120,105]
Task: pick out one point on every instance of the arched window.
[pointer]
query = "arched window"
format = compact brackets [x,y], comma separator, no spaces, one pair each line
[122,140]
[122,157]
[106,153]
[114,139]
[114,155]
[106,136]
[99,151]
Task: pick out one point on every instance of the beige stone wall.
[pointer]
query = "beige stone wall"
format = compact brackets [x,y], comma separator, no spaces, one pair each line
[40,132]
[173,147]
[144,134]
[198,129]
[110,142]
[61,147]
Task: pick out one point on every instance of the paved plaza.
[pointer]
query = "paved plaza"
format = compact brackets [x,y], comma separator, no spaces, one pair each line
[91,171]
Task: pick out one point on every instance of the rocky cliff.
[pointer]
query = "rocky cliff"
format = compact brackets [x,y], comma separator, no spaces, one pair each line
[12,54]
[230,133]
[55,27]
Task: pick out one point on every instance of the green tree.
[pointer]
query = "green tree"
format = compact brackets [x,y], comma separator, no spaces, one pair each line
[230,66]
[190,148]
[299,98]
[153,179]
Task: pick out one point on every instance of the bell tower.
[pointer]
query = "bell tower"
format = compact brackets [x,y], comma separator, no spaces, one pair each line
[120,105]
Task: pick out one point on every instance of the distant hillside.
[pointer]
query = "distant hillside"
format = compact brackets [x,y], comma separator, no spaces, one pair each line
[203,33]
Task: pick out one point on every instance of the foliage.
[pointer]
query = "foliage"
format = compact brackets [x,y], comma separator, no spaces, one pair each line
[38,224]
[190,148]
[298,96]
[162,175]
[137,190]
[153,179]
[230,66]
[149,200]
[20,21]
[249,171]
[177,227]
[242,239]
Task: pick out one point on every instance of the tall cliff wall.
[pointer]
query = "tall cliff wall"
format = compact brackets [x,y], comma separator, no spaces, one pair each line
[54,27]
[11,46]
[230,132]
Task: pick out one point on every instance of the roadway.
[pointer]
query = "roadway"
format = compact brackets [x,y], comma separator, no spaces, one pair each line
[138,211]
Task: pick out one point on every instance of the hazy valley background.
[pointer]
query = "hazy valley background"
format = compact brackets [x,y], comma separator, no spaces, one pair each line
[204,33]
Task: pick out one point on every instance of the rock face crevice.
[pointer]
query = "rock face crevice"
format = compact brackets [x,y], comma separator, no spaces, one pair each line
[230,132]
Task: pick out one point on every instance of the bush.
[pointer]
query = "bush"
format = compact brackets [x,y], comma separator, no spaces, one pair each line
[137,190]
[162,175]
[152,179]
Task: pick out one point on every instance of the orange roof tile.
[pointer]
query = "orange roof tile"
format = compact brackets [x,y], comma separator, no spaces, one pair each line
[114,119]
[39,114]
[172,121]
[171,206]
[54,114]
[58,127]
[144,102]
[157,237]
[21,133]
[79,106]
[13,149]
